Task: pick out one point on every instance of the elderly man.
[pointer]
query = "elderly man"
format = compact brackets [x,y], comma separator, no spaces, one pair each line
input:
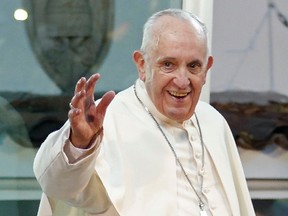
[152,150]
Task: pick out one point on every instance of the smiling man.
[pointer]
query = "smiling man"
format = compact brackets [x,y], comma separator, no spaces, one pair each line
[153,149]
[174,65]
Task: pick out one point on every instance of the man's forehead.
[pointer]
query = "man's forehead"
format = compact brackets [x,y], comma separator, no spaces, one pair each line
[170,23]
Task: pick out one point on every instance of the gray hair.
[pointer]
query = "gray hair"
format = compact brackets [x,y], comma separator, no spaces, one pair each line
[178,13]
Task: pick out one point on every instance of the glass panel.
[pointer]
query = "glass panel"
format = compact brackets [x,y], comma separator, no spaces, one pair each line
[249,87]
[42,57]
[270,207]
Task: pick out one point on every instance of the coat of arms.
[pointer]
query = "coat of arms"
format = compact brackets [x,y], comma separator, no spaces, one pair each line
[69,37]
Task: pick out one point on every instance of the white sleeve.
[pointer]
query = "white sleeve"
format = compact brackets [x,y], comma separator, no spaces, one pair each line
[74,183]
[75,154]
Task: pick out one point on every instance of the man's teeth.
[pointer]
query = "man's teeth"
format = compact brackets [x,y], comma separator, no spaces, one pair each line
[178,94]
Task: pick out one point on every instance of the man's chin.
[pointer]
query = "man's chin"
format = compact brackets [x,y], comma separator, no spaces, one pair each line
[178,116]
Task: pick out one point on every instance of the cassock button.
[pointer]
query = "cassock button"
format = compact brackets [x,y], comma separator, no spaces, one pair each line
[198,155]
[213,206]
[206,190]
[192,138]
[202,172]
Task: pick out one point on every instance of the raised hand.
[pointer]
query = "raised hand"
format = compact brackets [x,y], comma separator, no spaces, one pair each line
[86,118]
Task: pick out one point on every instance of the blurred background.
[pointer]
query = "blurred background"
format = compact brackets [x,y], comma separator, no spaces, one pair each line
[47,45]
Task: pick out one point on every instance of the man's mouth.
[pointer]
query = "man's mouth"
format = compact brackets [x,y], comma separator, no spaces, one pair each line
[178,94]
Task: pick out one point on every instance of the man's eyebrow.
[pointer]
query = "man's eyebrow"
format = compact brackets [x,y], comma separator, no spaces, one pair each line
[169,58]
[196,61]
[165,58]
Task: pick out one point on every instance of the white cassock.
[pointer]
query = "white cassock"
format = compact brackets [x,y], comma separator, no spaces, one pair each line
[135,173]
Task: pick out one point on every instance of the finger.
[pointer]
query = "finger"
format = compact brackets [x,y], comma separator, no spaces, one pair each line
[73,114]
[80,85]
[77,113]
[105,101]
[77,102]
[90,85]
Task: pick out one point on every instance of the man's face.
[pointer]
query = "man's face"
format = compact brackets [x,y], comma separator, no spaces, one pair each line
[174,70]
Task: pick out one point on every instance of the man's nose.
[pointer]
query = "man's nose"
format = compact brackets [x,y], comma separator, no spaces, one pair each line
[181,79]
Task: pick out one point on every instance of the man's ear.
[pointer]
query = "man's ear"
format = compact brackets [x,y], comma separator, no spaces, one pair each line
[208,66]
[210,62]
[140,64]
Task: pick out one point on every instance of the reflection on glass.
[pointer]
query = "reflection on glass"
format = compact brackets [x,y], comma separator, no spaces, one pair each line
[20,15]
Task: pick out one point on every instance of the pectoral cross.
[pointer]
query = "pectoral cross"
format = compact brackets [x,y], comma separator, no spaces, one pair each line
[202,211]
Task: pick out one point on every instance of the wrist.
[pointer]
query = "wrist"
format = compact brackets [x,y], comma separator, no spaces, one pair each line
[80,142]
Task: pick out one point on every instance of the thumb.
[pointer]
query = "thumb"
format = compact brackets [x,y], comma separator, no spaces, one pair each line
[104,102]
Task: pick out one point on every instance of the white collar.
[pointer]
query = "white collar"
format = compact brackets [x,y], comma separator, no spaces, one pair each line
[143,95]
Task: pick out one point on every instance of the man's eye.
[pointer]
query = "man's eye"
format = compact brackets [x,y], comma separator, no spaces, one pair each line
[167,64]
[167,67]
[194,65]
[195,68]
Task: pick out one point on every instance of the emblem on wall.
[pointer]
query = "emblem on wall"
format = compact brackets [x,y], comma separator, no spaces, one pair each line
[69,37]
